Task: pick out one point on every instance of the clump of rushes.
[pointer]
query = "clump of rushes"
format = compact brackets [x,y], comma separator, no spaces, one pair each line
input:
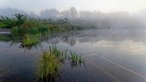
[43,29]
[30,40]
[36,31]
[48,67]
[76,59]
[61,55]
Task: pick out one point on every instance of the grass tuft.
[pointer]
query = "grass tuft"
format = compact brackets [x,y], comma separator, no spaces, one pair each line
[48,67]
[30,40]
[76,59]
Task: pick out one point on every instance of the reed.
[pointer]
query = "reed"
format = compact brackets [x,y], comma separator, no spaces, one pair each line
[76,59]
[48,67]
[30,40]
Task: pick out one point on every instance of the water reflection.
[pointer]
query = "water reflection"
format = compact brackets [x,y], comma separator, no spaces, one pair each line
[127,48]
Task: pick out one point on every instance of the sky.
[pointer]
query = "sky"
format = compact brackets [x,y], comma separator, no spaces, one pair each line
[106,6]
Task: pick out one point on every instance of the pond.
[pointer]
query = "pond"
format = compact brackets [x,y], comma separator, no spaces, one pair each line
[115,55]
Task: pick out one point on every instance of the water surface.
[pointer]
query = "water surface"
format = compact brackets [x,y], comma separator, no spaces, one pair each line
[111,56]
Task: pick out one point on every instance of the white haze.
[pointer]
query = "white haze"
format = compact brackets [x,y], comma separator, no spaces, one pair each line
[88,19]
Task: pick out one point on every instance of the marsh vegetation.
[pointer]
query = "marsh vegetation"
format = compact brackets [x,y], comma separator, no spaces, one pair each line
[49,66]
[29,32]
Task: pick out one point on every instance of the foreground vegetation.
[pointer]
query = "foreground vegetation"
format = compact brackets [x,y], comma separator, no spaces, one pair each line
[50,63]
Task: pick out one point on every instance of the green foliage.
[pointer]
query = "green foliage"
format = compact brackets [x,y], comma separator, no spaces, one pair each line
[75,59]
[36,31]
[31,32]
[30,40]
[5,38]
[20,19]
[61,55]
[6,22]
[43,29]
[2,25]
[16,31]
[43,25]
[49,66]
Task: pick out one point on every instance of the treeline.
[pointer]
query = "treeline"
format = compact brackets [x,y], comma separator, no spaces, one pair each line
[86,19]
[19,20]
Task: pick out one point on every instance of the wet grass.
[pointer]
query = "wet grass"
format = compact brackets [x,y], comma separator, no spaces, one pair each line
[30,33]
[75,59]
[30,40]
[36,31]
[61,55]
[49,66]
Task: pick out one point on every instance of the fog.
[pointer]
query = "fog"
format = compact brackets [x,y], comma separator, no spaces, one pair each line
[87,19]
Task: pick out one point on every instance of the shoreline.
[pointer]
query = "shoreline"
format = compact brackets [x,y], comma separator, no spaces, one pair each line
[5,31]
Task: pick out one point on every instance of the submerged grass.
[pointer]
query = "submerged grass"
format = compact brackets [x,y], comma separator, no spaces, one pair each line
[30,40]
[30,33]
[36,31]
[61,55]
[48,68]
[76,59]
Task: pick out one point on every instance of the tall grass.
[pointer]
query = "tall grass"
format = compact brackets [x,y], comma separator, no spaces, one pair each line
[50,63]
[48,67]
[61,55]
[36,31]
[31,33]
[75,59]
[29,40]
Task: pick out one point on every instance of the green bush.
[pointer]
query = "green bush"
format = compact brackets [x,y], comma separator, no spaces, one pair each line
[7,22]
[2,25]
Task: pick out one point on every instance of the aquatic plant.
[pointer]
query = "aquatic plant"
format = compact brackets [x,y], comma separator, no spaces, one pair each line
[29,40]
[58,53]
[76,59]
[5,38]
[36,31]
[16,31]
[48,67]
[43,29]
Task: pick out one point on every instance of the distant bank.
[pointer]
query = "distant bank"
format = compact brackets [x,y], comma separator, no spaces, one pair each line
[5,31]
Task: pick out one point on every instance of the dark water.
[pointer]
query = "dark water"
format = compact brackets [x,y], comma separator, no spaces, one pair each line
[111,56]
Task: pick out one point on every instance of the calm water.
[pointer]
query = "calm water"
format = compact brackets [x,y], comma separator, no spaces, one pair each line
[111,56]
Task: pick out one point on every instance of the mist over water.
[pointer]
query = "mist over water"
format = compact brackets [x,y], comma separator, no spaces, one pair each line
[114,42]
[87,19]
